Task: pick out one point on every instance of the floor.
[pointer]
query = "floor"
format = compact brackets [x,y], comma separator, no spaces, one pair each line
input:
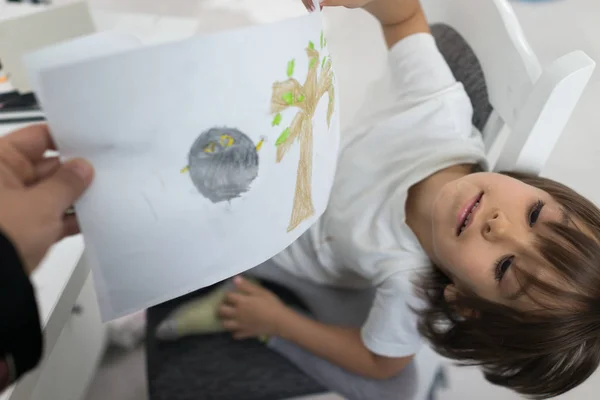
[553,28]
[122,376]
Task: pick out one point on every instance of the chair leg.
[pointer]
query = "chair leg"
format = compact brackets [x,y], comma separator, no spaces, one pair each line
[439,382]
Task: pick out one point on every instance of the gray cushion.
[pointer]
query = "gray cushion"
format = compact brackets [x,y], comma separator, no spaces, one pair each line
[218,367]
[466,69]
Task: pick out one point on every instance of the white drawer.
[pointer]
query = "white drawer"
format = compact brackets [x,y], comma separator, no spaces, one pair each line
[66,372]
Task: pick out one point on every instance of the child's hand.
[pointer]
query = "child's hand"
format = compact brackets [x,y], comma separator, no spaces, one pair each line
[345,3]
[251,311]
[333,3]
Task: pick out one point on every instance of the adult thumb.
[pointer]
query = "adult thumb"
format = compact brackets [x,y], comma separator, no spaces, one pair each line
[60,190]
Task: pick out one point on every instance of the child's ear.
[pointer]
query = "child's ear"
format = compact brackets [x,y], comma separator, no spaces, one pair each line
[450,294]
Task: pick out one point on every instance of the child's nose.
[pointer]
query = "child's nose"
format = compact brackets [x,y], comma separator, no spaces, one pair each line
[496,226]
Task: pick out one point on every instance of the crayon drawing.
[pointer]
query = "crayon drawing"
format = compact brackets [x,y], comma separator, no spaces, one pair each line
[305,97]
[222,163]
[210,182]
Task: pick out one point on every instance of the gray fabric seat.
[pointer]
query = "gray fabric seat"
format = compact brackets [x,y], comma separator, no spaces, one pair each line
[217,367]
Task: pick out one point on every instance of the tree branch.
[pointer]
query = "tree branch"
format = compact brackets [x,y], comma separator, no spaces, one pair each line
[325,79]
[295,130]
[310,84]
[287,94]
[325,85]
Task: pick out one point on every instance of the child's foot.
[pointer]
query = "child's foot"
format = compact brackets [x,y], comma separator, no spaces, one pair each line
[196,317]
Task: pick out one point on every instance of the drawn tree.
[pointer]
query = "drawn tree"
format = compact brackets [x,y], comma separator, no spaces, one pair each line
[304,97]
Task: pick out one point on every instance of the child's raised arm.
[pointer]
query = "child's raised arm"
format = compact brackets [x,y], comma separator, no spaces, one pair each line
[398,18]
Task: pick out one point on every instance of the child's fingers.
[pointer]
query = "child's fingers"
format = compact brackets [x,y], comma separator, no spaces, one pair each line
[234,298]
[226,312]
[245,286]
[231,325]
[309,5]
[334,3]
[242,335]
[344,3]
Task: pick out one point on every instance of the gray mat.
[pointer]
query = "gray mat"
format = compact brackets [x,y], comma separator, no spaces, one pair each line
[217,367]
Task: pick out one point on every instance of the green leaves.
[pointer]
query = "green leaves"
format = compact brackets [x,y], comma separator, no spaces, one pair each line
[323,62]
[276,120]
[322,40]
[313,62]
[311,45]
[288,98]
[290,67]
[283,137]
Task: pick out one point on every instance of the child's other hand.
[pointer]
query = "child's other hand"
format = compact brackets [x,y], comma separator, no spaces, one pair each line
[251,311]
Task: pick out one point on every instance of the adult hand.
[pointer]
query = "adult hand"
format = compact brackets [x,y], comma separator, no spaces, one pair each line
[36,191]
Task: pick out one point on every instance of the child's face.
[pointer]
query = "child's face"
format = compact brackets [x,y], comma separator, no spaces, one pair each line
[499,233]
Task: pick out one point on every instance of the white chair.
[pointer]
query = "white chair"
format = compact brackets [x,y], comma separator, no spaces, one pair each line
[532,102]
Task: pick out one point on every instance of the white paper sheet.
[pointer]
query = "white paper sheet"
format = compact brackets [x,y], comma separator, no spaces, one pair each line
[197,147]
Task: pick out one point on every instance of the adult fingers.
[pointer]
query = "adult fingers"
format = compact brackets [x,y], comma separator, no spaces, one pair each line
[18,164]
[46,167]
[245,286]
[32,141]
[8,179]
[70,226]
[65,186]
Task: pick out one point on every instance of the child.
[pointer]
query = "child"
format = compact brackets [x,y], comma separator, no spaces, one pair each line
[509,264]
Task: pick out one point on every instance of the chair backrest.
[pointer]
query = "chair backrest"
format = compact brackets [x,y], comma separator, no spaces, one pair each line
[531,105]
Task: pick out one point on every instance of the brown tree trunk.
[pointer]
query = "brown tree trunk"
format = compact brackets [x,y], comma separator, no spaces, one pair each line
[303,206]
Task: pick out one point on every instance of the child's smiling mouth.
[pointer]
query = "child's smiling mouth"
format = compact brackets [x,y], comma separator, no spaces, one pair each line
[467,214]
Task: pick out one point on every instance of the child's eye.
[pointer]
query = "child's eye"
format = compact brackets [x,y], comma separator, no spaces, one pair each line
[502,266]
[534,212]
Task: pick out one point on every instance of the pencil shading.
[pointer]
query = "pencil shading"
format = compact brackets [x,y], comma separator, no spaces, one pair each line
[222,164]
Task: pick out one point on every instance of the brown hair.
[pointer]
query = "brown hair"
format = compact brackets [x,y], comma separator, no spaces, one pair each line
[538,354]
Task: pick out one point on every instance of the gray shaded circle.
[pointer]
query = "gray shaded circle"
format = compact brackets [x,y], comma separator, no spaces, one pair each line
[222,164]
